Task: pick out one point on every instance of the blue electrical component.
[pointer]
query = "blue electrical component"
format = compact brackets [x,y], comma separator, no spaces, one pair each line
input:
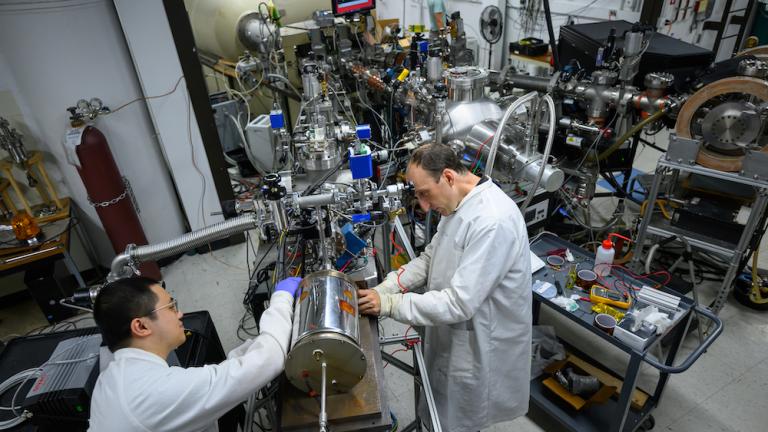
[363,131]
[276,119]
[361,164]
[422,46]
[361,217]
[354,245]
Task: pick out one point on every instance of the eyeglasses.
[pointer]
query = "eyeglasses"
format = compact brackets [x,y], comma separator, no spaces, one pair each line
[173,305]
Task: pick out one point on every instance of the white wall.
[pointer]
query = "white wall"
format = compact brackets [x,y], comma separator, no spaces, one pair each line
[59,51]
[21,118]
[682,29]
[156,61]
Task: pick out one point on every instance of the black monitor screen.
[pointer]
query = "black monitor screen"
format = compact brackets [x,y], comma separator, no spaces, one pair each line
[343,7]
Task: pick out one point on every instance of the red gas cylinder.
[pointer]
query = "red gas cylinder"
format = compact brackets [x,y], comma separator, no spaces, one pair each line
[109,195]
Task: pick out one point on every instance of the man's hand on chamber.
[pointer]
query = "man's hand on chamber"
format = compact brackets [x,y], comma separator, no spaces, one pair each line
[368,302]
[289,285]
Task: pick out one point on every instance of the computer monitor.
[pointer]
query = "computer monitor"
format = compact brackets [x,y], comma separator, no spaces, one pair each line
[344,7]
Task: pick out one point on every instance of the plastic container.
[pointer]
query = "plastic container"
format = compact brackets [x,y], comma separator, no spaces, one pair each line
[604,258]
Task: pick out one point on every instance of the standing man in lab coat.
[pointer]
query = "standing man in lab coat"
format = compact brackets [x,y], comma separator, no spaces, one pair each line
[138,391]
[476,300]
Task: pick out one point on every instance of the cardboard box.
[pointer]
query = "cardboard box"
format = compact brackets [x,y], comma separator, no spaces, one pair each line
[608,381]
[575,401]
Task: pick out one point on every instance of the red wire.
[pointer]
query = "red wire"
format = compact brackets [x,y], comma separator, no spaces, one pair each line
[479,150]
[346,264]
[656,283]
[402,288]
[411,343]
[399,249]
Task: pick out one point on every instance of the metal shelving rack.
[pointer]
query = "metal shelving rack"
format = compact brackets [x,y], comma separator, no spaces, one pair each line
[681,158]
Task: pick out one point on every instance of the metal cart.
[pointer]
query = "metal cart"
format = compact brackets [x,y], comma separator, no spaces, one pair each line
[613,415]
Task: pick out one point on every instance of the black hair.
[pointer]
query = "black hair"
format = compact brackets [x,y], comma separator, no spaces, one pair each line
[435,157]
[118,303]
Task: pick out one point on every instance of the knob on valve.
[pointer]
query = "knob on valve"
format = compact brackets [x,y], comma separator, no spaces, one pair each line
[272,189]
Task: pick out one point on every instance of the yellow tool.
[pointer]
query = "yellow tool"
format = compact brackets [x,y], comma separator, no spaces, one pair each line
[571,279]
[599,294]
[603,308]
[403,75]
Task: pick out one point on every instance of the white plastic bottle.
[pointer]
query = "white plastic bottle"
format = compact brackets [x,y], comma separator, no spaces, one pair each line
[604,258]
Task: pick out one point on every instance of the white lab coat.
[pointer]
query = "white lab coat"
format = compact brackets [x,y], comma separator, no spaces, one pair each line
[139,391]
[477,309]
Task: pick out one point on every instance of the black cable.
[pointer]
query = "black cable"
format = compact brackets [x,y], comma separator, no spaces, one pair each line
[262,259]
[247,258]
[327,175]
[551,31]
[303,259]
[261,275]
[652,145]
[391,113]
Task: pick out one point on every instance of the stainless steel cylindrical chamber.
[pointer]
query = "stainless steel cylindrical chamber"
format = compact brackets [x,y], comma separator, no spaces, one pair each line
[466,83]
[434,68]
[326,330]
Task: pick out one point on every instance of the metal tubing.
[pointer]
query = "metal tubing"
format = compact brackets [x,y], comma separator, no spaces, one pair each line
[643,229]
[692,275]
[757,210]
[249,411]
[316,200]
[120,263]
[323,414]
[416,387]
[326,264]
[387,246]
[72,267]
[31,254]
[404,239]
[435,421]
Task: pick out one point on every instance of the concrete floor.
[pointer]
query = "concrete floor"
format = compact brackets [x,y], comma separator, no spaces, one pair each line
[724,391]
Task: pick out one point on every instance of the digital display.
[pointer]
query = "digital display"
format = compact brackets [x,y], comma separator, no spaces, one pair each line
[343,7]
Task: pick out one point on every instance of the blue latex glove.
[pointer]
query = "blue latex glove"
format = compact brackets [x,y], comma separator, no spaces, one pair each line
[289,285]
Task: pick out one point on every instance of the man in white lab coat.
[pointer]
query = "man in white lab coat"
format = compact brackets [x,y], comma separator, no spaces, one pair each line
[476,303]
[138,391]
